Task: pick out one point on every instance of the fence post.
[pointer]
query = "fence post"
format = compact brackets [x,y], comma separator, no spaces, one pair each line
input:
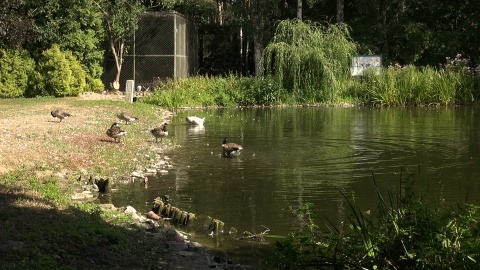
[129,91]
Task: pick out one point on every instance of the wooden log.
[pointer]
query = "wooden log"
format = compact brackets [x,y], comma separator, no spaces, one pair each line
[176,215]
[166,210]
[103,185]
[218,228]
[183,218]
[166,199]
[207,222]
[171,213]
[158,205]
[190,218]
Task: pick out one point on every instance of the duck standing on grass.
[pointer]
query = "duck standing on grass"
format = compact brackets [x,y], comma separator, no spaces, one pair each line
[230,149]
[160,132]
[126,117]
[60,114]
[116,132]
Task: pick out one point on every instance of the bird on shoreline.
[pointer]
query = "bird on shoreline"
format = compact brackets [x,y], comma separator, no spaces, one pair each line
[126,117]
[160,132]
[115,132]
[230,149]
[57,113]
[195,120]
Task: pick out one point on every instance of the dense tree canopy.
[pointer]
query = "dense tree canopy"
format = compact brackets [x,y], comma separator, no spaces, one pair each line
[234,33]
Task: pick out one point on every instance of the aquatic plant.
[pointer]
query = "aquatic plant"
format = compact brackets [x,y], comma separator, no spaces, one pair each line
[404,232]
[412,86]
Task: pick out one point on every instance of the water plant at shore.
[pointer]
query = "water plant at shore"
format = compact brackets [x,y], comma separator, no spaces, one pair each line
[412,86]
[395,86]
[405,232]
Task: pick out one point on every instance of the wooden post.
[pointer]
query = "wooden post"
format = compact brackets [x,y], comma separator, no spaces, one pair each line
[129,91]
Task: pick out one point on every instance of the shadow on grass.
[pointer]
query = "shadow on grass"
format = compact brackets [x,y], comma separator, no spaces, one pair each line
[36,235]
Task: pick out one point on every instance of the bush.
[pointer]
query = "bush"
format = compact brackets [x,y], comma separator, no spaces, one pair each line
[16,68]
[94,85]
[59,74]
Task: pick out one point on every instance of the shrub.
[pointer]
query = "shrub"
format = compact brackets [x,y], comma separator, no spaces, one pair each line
[16,67]
[59,74]
[94,85]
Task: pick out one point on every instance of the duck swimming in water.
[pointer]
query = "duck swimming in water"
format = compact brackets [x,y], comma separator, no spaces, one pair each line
[230,149]
[195,120]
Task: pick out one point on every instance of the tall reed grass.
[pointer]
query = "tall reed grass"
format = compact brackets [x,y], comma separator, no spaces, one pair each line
[220,91]
[411,86]
[404,232]
[394,86]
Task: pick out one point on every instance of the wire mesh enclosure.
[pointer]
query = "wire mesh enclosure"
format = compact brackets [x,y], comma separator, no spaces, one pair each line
[164,46]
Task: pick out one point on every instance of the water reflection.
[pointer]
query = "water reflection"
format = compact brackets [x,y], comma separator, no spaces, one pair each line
[196,129]
[294,156]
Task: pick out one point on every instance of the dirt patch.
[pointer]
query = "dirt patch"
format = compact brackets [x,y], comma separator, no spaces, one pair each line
[30,136]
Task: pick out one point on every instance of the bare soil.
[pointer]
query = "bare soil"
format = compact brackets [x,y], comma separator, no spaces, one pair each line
[31,138]
[21,133]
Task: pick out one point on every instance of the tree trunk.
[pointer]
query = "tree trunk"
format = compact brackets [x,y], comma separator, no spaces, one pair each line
[257,20]
[220,12]
[299,10]
[118,54]
[340,11]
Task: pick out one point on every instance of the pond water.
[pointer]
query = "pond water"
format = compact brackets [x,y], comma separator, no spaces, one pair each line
[294,156]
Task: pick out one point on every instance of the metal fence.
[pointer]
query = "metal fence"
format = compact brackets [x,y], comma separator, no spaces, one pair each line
[164,46]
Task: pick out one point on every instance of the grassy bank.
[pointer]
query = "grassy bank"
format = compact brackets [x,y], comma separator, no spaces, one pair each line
[395,86]
[40,163]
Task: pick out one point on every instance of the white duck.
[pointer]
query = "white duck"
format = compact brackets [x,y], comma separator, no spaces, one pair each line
[195,120]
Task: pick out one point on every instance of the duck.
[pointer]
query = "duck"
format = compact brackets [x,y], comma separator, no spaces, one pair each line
[126,117]
[57,113]
[230,149]
[116,132]
[195,120]
[160,132]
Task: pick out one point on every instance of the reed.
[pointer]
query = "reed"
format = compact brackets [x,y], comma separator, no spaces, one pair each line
[219,91]
[404,232]
[411,86]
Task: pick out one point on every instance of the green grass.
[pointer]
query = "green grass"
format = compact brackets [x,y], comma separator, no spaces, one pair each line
[37,213]
[394,86]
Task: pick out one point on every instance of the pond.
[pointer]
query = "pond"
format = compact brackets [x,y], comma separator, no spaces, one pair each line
[294,156]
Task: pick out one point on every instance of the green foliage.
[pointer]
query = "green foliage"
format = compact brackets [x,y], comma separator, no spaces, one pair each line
[16,68]
[14,18]
[218,91]
[59,74]
[94,85]
[74,25]
[402,86]
[120,21]
[404,233]
[309,57]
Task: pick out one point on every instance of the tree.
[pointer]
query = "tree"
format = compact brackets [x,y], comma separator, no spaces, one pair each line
[15,25]
[75,25]
[306,56]
[120,18]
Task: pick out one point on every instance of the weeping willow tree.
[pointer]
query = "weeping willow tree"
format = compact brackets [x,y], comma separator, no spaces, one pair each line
[311,60]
